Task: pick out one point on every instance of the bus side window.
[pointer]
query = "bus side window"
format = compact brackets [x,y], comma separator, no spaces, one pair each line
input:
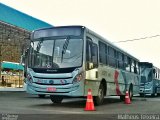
[135,67]
[127,64]
[91,55]
[102,53]
[120,60]
[88,51]
[154,73]
[112,60]
[132,66]
[94,54]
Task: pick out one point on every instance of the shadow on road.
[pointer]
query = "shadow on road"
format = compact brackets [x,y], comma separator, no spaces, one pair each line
[75,103]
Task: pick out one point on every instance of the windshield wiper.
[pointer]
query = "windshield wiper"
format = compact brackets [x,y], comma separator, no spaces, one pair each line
[65,45]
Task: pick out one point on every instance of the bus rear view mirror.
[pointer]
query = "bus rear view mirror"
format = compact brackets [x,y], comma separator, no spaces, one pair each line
[22,61]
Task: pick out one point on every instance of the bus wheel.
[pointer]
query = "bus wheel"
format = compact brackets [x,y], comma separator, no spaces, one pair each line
[154,94]
[130,92]
[56,99]
[41,96]
[98,100]
[122,97]
[141,94]
[158,94]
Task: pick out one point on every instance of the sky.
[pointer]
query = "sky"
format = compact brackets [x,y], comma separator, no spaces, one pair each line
[115,20]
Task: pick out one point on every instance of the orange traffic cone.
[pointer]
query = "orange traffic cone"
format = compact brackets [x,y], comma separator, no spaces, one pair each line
[127,99]
[89,103]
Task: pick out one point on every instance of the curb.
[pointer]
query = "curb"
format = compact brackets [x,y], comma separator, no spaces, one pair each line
[12,90]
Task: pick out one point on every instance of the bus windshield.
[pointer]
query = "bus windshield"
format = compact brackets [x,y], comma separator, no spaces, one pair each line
[147,72]
[57,53]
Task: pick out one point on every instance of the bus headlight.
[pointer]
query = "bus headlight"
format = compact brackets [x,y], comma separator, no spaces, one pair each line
[29,78]
[78,78]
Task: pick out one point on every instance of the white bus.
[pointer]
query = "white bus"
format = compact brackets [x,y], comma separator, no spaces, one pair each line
[68,60]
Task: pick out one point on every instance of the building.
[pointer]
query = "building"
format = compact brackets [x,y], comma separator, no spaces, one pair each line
[15,29]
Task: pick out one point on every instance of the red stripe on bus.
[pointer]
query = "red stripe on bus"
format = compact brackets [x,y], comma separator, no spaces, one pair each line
[116,74]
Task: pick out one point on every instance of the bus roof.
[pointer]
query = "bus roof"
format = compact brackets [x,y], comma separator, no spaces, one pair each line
[148,63]
[111,44]
[58,27]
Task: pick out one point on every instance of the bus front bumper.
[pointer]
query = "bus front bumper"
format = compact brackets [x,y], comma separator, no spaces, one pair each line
[146,90]
[73,90]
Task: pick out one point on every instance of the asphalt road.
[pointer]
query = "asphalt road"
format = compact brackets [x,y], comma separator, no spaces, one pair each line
[31,107]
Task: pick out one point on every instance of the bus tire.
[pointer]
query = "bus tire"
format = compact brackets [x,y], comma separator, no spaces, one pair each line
[158,94]
[141,94]
[98,100]
[122,97]
[41,96]
[56,99]
[153,94]
[130,92]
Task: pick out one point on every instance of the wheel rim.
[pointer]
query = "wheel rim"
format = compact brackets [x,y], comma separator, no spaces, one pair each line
[100,94]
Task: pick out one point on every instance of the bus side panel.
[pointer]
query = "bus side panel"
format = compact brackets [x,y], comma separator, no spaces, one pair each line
[91,82]
[115,81]
[118,81]
[131,79]
[156,86]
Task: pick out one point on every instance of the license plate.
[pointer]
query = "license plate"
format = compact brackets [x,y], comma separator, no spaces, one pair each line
[51,89]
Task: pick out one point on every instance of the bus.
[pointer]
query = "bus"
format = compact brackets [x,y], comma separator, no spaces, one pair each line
[68,60]
[151,82]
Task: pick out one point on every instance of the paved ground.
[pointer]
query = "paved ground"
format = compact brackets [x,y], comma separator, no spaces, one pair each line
[25,106]
[7,89]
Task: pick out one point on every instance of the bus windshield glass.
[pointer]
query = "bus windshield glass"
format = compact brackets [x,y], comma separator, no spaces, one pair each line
[57,53]
[147,72]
